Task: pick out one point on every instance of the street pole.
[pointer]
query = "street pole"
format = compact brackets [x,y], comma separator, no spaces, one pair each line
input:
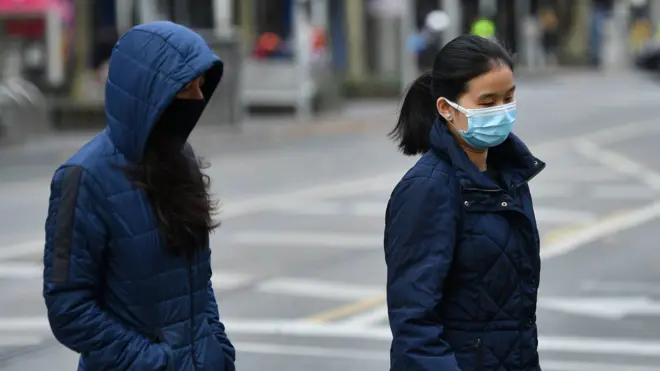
[615,56]
[408,57]
[525,37]
[300,31]
[454,11]
[222,18]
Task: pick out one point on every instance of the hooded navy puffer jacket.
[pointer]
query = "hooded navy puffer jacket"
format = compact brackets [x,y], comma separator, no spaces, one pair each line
[463,262]
[113,292]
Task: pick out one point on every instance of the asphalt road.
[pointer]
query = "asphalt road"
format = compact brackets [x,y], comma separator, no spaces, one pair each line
[299,269]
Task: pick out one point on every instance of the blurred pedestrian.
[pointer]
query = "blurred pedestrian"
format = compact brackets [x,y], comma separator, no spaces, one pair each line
[483,26]
[127,276]
[461,241]
[601,11]
[550,35]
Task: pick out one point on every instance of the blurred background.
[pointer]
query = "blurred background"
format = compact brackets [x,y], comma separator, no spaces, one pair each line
[301,163]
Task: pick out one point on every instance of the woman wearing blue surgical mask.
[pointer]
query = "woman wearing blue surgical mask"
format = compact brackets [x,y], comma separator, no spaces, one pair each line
[461,241]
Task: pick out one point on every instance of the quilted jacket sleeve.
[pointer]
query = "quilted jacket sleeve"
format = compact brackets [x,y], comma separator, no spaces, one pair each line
[420,234]
[73,273]
[217,326]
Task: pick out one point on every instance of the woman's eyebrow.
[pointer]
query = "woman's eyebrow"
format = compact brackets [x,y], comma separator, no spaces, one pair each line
[492,95]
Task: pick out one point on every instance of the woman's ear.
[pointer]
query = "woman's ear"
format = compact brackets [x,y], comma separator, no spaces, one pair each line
[444,109]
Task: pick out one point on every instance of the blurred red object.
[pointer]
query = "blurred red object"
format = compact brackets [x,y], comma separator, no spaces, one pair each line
[27,28]
[26,18]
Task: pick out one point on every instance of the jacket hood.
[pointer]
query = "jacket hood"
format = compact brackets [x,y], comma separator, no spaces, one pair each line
[149,65]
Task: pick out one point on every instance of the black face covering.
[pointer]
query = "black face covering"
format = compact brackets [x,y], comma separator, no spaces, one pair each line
[178,120]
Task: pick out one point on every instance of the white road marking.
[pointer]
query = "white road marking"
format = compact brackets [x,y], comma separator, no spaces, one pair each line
[578,345]
[609,308]
[361,186]
[383,356]
[591,366]
[618,163]
[546,214]
[313,208]
[24,324]
[318,289]
[307,239]
[20,270]
[543,189]
[322,192]
[604,346]
[577,174]
[21,249]
[622,192]
[622,133]
[599,229]
[369,318]
[324,208]
[308,351]
[229,281]
[627,287]
[21,340]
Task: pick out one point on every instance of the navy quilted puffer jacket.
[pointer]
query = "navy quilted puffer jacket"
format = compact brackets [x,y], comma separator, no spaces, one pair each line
[113,292]
[463,261]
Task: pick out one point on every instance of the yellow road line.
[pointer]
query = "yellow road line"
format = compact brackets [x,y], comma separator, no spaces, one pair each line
[559,233]
[374,301]
[347,310]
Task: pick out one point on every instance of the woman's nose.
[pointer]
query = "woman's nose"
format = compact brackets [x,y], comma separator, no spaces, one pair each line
[193,93]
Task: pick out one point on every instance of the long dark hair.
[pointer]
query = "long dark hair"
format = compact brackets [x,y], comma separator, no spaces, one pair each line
[458,62]
[179,193]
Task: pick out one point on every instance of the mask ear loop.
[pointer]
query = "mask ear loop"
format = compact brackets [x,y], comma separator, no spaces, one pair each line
[449,116]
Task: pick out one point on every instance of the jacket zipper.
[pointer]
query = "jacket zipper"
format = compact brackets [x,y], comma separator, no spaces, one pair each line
[192,315]
[479,356]
[499,190]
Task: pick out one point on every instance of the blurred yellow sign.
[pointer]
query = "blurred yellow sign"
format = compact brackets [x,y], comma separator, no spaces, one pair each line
[641,32]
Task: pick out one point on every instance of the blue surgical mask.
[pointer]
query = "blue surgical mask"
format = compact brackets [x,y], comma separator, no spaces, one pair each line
[487,127]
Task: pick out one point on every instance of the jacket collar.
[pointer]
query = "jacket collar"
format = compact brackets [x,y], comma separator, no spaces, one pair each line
[512,158]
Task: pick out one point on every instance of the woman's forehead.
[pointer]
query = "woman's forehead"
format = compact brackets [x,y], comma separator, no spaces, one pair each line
[498,80]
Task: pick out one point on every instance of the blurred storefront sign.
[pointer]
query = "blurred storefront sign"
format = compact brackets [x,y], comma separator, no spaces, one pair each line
[43,30]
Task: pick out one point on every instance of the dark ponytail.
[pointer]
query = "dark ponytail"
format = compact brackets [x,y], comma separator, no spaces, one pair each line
[458,62]
[416,118]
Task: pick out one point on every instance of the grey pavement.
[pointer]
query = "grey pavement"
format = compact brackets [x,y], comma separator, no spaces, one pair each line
[298,264]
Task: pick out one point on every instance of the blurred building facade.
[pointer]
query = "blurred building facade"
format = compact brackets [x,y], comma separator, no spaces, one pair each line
[361,43]
[365,42]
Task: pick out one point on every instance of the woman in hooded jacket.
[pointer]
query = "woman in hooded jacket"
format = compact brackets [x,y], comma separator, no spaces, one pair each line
[127,266]
[461,241]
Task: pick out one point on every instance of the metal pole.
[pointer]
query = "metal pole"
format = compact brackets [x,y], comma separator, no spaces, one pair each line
[614,51]
[82,32]
[300,31]
[222,17]
[55,66]
[527,46]
[408,57]
[454,10]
